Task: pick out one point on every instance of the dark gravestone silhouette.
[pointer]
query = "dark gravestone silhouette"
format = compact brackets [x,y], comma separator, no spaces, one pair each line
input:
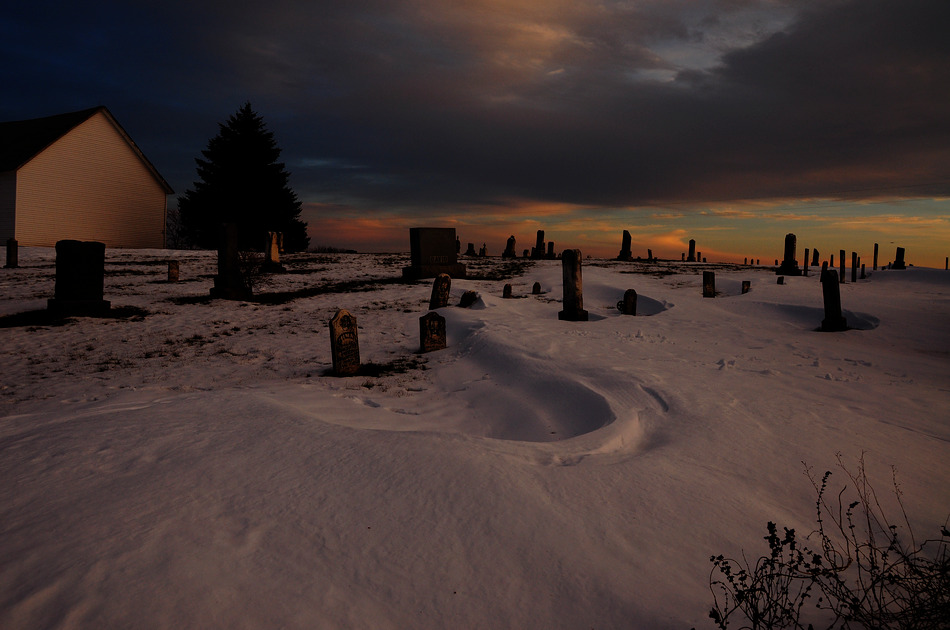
[899,260]
[863,276]
[805,263]
[691,257]
[536,289]
[814,258]
[780,280]
[789,266]
[538,251]
[432,251]
[834,321]
[745,261]
[506,292]
[628,305]
[509,248]
[230,283]
[173,269]
[573,287]
[483,251]
[440,291]
[625,253]
[80,279]
[841,262]
[650,254]
[468,298]
[746,285]
[874,268]
[527,254]
[471,250]
[709,284]
[551,255]
[431,332]
[344,343]
[854,266]
[13,254]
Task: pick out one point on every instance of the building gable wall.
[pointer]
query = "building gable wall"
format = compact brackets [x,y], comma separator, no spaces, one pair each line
[90,185]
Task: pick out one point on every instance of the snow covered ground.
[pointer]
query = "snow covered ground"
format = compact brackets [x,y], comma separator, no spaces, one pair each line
[187,463]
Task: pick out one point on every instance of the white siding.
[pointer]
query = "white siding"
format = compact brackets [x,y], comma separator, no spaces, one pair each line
[7,206]
[90,185]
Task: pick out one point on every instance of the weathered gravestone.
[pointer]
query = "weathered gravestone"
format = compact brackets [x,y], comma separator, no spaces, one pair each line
[834,321]
[506,292]
[789,266]
[344,343]
[691,257]
[431,332]
[80,278]
[468,299]
[899,259]
[470,250]
[173,270]
[230,283]
[536,289]
[709,284]
[432,251]
[440,291]
[746,285]
[13,254]
[628,305]
[551,253]
[573,296]
[509,248]
[625,253]
[272,252]
[538,250]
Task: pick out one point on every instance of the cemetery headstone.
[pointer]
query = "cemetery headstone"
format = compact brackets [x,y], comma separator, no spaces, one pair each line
[483,251]
[899,260]
[344,343]
[625,253]
[628,305]
[538,251]
[573,287]
[230,283]
[506,292]
[745,261]
[440,291]
[509,248]
[650,254]
[863,276]
[789,266]
[691,257]
[432,251]
[709,284]
[536,289]
[527,254]
[13,254]
[814,258]
[173,268]
[431,332]
[841,262]
[834,321]
[854,266]
[874,268]
[781,280]
[80,279]
[551,255]
[471,250]
[746,285]
[468,299]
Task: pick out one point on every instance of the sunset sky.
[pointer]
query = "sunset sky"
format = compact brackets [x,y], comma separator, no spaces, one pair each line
[732,122]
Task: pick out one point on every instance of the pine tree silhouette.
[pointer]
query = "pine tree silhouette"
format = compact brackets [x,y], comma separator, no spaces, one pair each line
[241,182]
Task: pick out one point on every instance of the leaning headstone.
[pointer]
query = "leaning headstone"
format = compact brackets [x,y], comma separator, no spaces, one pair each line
[709,284]
[468,298]
[691,257]
[173,268]
[834,321]
[650,254]
[344,343]
[899,260]
[440,291]
[628,305]
[80,279]
[874,268]
[506,292]
[431,332]
[536,289]
[625,253]
[13,254]
[509,248]
[573,287]
[432,251]
[746,285]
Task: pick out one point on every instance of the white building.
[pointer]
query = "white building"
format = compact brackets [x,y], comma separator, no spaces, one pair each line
[78,176]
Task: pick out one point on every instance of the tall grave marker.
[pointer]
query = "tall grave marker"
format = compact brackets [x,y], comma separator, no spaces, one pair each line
[573,300]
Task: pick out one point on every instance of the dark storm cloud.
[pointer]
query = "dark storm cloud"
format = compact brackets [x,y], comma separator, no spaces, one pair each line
[481,102]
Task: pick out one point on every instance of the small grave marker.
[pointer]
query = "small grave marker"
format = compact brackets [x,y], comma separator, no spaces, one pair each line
[13,254]
[344,343]
[468,298]
[709,284]
[746,285]
[506,292]
[536,289]
[628,305]
[173,269]
[80,278]
[431,332]
[440,291]
[834,321]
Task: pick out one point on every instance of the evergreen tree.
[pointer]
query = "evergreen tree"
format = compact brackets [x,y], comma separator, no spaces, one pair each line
[241,181]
